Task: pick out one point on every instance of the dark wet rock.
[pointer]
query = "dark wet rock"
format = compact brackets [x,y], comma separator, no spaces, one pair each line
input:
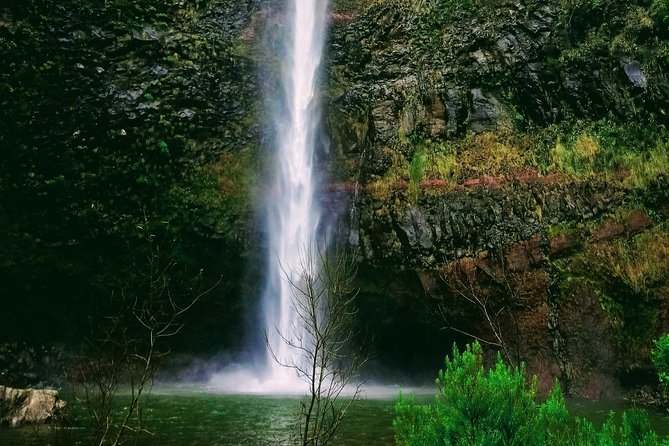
[146,34]
[102,34]
[159,70]
[384,120]
[186,113]
[456,111]
[508,45]
[462,223]
[131,95]
[415,230]
[541,21]
[486,112]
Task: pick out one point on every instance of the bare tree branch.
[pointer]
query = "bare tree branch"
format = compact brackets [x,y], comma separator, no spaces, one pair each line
[132,343]
[464,281]
[325,359]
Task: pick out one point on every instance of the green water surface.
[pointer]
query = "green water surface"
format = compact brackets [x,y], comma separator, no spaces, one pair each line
[211,419]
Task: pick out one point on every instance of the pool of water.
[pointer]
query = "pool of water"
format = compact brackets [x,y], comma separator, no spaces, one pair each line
[191,417]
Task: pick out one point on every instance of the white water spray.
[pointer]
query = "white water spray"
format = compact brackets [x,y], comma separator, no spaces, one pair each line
[293,215]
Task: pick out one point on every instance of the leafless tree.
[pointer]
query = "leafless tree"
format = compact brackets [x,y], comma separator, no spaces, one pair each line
[131,345]
[493,292]
[326,355]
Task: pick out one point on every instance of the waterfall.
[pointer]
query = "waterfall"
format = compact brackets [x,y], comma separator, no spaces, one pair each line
[293,214]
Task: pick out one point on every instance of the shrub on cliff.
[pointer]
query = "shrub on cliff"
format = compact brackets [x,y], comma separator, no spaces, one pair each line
[660,357]
[497,407]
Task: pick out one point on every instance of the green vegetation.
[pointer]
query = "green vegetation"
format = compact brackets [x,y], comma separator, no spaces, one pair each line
[416,169]
[497,407]
[582,149]
[570,230]
[578,159]
[350,6]
[660,356]
[118,13]
[635,157]
[630,275]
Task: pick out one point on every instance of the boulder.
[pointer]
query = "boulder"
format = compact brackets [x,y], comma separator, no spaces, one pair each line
[486,111]
[21,406]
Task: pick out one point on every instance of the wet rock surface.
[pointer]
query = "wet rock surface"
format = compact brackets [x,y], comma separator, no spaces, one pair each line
[460,223]
[117,117]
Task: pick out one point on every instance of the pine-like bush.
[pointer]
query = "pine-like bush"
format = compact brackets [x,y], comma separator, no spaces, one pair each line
[498,407]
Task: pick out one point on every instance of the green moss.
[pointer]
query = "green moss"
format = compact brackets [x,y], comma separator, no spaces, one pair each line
[577,158]
[645,168]
[629,276]
[632,155]
[569,229]
[350,6]
[243,48]
[77,187]
[416,168]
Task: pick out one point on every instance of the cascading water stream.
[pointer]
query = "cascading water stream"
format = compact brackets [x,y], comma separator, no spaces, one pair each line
[292,212]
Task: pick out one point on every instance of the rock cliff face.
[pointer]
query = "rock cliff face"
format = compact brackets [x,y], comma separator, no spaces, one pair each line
[441,68]
[466,221]
[480,144]
[122,120]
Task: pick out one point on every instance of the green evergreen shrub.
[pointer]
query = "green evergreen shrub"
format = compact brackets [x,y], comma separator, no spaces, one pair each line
[478,407]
